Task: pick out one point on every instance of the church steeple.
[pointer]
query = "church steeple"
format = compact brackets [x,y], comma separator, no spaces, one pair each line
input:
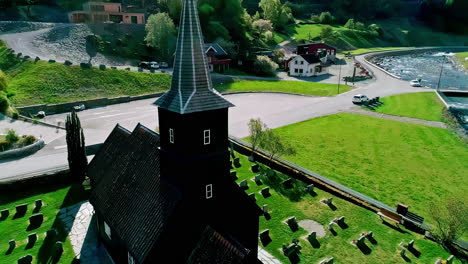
[191,89]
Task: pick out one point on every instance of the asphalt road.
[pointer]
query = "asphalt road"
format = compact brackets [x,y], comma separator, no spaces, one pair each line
[274,109]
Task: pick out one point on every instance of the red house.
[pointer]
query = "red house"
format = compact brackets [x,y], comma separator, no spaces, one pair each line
[316,48]
[218,58]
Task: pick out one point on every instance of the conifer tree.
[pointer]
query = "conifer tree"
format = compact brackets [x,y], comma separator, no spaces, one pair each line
[76,148]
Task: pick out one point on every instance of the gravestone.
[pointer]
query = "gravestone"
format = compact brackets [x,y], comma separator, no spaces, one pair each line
[330,226]
[51,234]
[244,185]
[237,163]
[265,209]
[266,192]
[361,241]
[265,237]
[341,221]
[255,168]
[57,251]
[32,238]
[11,245]
[233,175]
[25,260]
[450,259]
[312,236]
[291,249]
[252,196]
[329,201]
[292,223]
[309,189]
[370,235]
[36,220]
[258,179]
[38,205]
[21,210]
[411,245]
[288,183]
[4,214]
[403,253]
[327,261]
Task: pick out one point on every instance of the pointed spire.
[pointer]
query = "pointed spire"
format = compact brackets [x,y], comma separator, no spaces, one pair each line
[191,88]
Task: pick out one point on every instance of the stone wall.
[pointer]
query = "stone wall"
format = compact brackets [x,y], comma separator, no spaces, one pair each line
[22,152]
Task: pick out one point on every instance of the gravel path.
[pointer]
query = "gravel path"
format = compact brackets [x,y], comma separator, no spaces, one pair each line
[312,226]
[399,118]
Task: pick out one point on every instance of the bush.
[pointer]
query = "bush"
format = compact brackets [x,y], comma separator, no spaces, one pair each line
[37,59]
[28,140]
[67,63]
[315,19]
[350,24]
[11,136]
[360,26]
[4,145]
[3,81]
[265,66]
[102,67]
[4,103]
[85,65]
[326,18]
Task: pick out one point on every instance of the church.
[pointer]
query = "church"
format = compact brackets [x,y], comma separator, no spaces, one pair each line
[168,197]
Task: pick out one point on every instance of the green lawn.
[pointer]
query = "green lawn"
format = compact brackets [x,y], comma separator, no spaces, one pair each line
[361,51]
[387,160]
[53,198]
[462,58]
[297,87]
[47,83]
[285,203]
[425,106]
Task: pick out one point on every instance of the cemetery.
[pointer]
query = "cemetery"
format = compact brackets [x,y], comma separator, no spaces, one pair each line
[298,218]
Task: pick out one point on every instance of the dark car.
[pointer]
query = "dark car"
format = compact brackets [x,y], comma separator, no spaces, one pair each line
[144,65]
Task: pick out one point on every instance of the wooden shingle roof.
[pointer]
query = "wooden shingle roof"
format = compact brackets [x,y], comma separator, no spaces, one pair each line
[191,89]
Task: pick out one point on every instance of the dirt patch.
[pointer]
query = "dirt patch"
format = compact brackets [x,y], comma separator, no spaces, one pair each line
[312,226]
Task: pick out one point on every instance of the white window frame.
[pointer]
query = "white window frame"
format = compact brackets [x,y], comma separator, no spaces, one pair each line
[206,137]
[130,259]
[171,135]
[209,191]
[107,230]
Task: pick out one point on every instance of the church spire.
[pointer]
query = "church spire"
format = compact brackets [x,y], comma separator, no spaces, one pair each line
[191,89]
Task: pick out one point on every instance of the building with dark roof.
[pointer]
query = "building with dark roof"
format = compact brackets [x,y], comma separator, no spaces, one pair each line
[218,58]
[305,65]
[168,197]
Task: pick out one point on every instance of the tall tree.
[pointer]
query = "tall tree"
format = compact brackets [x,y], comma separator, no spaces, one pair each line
[92,46]
[277,13]
[161,34]
[77,160]
[449,217]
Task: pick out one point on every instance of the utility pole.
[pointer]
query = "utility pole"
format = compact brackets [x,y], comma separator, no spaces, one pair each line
[339,80]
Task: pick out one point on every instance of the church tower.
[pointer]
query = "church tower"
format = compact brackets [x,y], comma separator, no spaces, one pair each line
[193,117]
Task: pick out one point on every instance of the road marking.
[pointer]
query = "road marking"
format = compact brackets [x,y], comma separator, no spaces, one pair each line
[60,147]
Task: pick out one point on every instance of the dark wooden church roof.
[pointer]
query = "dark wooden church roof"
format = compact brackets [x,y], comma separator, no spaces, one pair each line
[127,190]
[191,89]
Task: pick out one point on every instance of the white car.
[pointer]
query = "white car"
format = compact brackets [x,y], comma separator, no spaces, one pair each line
[79,107]
[359,99]
[415,83]
[153,65]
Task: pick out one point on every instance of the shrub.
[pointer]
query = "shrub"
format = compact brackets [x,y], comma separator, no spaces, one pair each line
[102,67]
[4,103]
[3,81]
[315,19]
[85,65]
[350,24]
[4,145]
[360,26]
[11,136]
[265,66]
[37,59]
[67,63]
[326,18]
[28,140]
[51,61]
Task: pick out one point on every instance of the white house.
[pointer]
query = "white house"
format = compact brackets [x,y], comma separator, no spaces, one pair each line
[305,65]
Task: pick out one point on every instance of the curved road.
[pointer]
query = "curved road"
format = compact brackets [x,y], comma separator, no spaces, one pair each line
[274,109]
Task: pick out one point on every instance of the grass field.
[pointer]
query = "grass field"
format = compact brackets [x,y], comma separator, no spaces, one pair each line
[462,58]
[309,88]
[53,198]
[390,161]
[46,83]
[426,106]
[284,203]
[362,51]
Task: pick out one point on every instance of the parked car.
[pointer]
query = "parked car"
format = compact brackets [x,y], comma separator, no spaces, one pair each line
[359,99]
[416,83]
[143,65]
[40,114]
[164,65]
[79,107]
[153,65]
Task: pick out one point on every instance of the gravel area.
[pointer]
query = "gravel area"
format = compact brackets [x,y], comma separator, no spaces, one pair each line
[312,226]
[8,27]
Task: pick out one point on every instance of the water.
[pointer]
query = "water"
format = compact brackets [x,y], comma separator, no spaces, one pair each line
[427,66]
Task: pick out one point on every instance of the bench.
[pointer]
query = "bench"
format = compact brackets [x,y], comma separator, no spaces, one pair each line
[391,216]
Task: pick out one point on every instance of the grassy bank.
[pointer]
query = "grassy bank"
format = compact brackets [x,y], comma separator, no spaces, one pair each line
[362,51]
[425,106]
[54,198]
[297,87]
[390,161]
[46,83]
[462,58]
[284,203]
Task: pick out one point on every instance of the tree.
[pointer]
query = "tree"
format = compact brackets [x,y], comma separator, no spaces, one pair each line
[327,34]
[3,81]
[326,18]
[256,129]
[77,160]
[350,24]
[274,144]
[92,46]
[449,219]
[29,3]
[265,66]
[277,13]
[4,103]
[262,26]
[360,26]
[315,19]
[161,34]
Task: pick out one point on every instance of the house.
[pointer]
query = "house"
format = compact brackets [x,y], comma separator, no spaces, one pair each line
[324,51]
[305,65]
[218,58]
[100,12]
[169,197]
